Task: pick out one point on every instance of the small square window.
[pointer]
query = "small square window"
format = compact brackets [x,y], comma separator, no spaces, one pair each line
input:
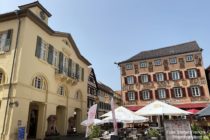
[157,62]
[143,64]
[189,58]
[129,66]
[173,60]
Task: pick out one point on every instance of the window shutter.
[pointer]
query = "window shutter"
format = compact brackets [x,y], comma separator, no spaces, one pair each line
[183,92]
[50,54]
[181,74]
[140,95]
[202,91]
[189,92]
[156,94]
[69,67]
[8,40]
[149,78]
[60,62]
[126,96]
[134,79]
[38,47]
[198,73]
[77,71]
[167,93]
[172,93]
[151,95]
[165,76]
[83,74]
[125,79]
[154,78]
[186,74]
[136,96]
[170,75]
[139,78]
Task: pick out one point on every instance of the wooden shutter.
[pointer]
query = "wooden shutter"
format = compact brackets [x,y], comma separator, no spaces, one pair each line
[167,93]
[38,47]
[140,95]
[154,78]
[165,76]
[139,78]
[134,79]
[126,96]
[83,74]
[181,74]
[170,76]
[60,62]
[186,74]
[202,91]
[151,94]
[50,54]
[136,96]
[156,94]
[189,92]
[69,67]
[77,71]
[149,78]
[172,93]
[125,79]
[8,40]
[198,72]
[183,92]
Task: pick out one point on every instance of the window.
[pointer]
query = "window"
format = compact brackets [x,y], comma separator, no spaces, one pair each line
[130,80]
[65,65]
[195,91]
[129,66]
[192,73]
[189,58]
[175,75]
[61,91]
[178,92]
[131,96]
[144,78]
[5,40]
[157,62]
[1,77]
[146,95]
[161,93]
[143,64]
[39,82]
[160,77]
[172,60]
[78,95]
[55,58]
[44,50]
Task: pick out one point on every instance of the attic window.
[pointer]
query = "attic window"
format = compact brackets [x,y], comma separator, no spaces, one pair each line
[66,42]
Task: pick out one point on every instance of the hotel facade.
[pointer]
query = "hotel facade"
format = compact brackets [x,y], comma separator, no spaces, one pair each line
[174,74]
[43,76]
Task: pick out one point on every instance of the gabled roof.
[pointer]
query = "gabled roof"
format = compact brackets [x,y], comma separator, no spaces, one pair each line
[105,88]
[27,13]
[166,51]
[94,76]
[34,4]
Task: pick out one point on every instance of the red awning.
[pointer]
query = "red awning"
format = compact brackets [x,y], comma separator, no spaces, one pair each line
[134,108]
[193,111]
[192,105]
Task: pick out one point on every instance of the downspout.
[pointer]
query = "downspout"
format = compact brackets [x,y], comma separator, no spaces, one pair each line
[11,75]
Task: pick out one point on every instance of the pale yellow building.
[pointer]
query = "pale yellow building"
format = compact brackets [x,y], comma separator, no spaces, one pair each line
[45,90]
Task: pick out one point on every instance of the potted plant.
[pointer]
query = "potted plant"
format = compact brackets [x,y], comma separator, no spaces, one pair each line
[153,133]
[197,131]
[95,132]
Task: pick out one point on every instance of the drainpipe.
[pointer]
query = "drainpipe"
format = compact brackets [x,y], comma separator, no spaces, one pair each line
[11,76]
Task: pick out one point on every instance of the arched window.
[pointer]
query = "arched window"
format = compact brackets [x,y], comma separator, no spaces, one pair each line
[2,77]
[62,90]
[39,82]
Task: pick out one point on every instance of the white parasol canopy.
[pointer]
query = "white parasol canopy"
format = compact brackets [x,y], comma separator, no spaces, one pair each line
[160,108]
[95,122]
[124,115]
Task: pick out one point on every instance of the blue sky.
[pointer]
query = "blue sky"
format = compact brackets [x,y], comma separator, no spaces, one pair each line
[108,31]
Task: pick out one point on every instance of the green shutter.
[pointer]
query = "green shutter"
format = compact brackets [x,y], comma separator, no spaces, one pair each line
[60,62]
[70,67]
[82,74]
[8,40]
[38,47]
[50,54]
[77,71]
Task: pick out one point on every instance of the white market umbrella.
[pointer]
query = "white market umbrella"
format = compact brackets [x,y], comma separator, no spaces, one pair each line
[95,122]
[124,115]
[158,108]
